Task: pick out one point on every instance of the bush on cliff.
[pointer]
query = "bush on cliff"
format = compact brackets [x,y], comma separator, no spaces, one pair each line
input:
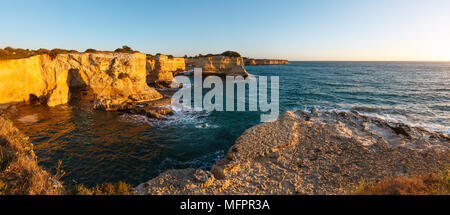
[42,51]
[231,54]
[91,51]
[12,53]
[55,52]
[125,49]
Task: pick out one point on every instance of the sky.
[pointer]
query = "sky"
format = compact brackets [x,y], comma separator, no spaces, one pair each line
[347,30]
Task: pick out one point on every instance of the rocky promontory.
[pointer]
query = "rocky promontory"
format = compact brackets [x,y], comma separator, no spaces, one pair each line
[110,78]
[251,61]
[161,69]
[318,152]
[219,65]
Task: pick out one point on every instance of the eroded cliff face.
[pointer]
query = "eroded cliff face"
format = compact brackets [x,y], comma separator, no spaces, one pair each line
[311,153]
[111,78]
[249,61]
[161,69]
[219,65]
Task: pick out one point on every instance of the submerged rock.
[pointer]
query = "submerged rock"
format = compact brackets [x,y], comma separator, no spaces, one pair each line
[319,153]
[154,109]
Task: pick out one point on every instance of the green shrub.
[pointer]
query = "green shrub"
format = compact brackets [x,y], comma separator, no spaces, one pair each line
[125,49]
[231,54]
[12,53]
[56,52]
[91,51]
[42,51]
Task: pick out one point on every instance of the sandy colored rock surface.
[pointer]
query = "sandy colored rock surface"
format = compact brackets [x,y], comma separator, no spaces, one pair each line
[161,69]
[219,65]
[311,153]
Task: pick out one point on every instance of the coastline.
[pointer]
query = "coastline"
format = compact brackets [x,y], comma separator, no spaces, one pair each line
[317,152]
[311,153]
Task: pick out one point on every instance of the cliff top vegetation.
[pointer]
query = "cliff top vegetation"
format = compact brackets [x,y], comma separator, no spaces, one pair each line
[18,53]
[226,53]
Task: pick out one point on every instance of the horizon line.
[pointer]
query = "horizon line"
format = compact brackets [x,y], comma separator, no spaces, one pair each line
[264,58]
[381,61]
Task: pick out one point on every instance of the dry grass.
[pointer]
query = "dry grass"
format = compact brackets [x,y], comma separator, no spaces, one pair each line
[20,173]
[424,184]
[119,188]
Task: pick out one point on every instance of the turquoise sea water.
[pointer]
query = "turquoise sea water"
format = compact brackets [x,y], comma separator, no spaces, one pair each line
[97,146]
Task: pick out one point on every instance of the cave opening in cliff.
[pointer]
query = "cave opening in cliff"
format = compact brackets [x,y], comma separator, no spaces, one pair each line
[79,90]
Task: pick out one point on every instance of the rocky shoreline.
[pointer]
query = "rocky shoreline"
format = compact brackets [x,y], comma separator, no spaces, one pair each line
[320,152]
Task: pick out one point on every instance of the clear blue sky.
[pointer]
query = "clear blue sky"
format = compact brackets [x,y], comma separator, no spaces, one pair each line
[294,30]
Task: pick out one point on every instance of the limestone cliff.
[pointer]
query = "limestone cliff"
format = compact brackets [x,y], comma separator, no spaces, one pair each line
[311,153]
[219,65]
[250,61]
[111,78]
[161,69]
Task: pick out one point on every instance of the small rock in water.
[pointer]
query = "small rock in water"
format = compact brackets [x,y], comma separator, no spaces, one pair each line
[29,118]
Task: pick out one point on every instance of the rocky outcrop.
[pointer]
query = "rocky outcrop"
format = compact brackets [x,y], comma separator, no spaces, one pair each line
[158,109]
[219,65]
[250,61]
[311,153]
[111,78]
[161,69]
